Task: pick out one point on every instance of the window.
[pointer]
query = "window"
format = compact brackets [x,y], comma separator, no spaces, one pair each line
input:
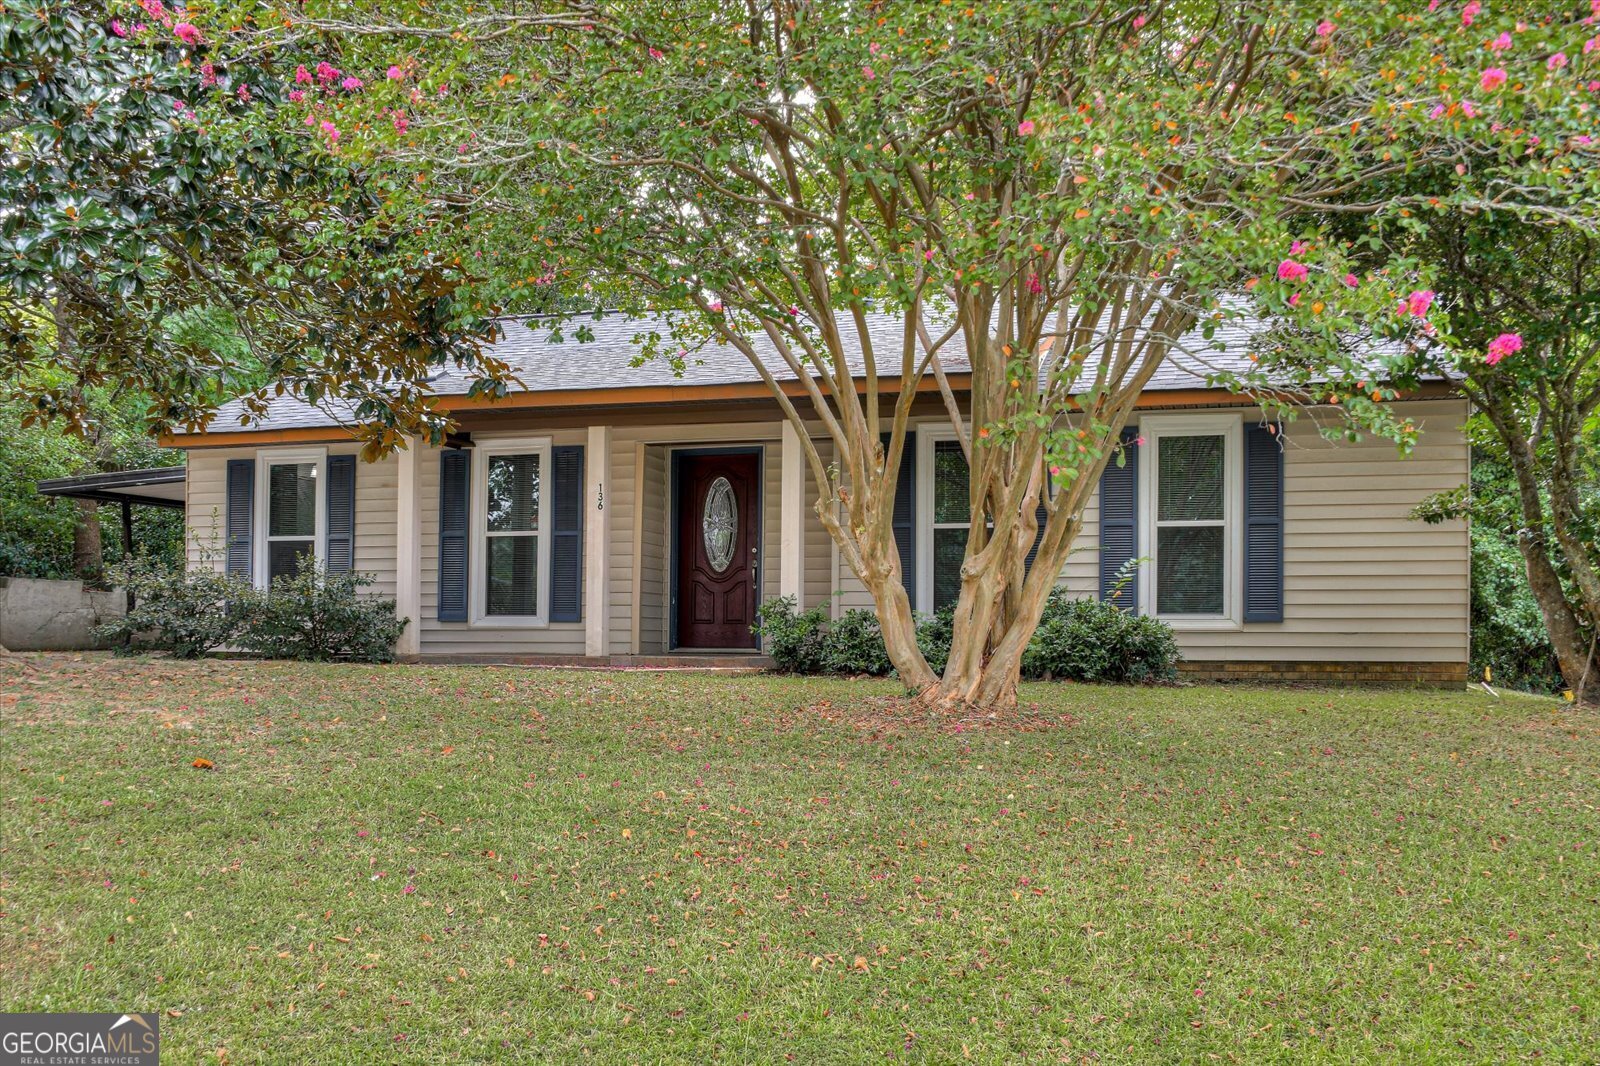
[290,502]
[951,521]
[513,555]
[943,519]
[1191,517]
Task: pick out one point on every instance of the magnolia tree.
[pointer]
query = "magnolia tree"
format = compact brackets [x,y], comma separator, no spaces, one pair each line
[165,232]
[1056,195]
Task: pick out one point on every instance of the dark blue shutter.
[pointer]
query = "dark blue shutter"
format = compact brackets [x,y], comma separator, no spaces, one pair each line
[1119,521]
[241,507]
[905,513]
[566,533]
[455,491]
[1263,525]
[339,551]
[1041,516]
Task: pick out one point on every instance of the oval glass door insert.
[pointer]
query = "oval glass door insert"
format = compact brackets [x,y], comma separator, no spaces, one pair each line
[720,524]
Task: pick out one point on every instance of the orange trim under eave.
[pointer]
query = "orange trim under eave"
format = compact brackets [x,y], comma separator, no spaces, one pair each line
[647,395]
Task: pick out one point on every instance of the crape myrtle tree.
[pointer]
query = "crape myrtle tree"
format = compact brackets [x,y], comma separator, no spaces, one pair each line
[1056,194]
[163,234]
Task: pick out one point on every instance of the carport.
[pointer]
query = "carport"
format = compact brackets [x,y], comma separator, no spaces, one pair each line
[161,486]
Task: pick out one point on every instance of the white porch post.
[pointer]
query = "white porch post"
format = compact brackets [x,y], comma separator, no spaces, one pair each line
[596,542]
[791,514]
[408,547]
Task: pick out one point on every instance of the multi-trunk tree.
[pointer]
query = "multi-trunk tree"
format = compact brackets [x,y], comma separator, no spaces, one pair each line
[1058,195]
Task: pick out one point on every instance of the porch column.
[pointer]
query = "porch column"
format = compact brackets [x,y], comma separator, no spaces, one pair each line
[408,547]
[791,515]
[597,543]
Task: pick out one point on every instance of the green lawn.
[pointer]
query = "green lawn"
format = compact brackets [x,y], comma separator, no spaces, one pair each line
[462,864]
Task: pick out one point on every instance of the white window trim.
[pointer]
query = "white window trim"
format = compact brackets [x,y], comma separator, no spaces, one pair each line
[1230,426]
[478,554]
[264,461]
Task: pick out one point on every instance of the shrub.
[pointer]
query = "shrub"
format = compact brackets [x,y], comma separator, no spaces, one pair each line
[808,642]
[315,616]
[934,633]
[1077,640]
[853,644]
[1088,640]
[793,638]
[185,613]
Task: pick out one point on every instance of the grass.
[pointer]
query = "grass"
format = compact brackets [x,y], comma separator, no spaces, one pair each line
[461,864]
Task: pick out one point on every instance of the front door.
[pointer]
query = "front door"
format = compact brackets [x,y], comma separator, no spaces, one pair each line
[719,547]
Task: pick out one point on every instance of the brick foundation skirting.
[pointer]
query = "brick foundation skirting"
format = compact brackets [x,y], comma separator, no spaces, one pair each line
[1413,675]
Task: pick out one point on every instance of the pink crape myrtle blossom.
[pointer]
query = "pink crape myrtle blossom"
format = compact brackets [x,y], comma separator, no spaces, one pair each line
[327,73]
[302,76]
[187,32]
[1556,62]
[243,93]
[1470,12]
[1500,43]
[1352,281]
[1417,303]
[330,131]
[1025,128]
[1139,21]
[351,84]
[396,74]
[118,28]
[208,75]
[1502,346]
[1298,247]
[1325,28]
[296,95]
[1591,46]
[1289,270]
[1492,79]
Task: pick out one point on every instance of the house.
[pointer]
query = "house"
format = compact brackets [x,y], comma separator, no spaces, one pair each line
[614,511]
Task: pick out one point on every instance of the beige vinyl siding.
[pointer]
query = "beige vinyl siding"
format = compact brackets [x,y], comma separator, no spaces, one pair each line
[817,583]
[622,500]
[206,517]
[1362,580]
[469,638]
[654,570]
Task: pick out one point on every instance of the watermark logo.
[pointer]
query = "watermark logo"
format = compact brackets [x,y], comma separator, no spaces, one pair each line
[80,1039]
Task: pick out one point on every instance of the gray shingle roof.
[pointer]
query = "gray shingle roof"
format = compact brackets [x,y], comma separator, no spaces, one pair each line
[607,362]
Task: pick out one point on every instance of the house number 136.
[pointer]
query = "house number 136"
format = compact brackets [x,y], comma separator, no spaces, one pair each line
[600,498]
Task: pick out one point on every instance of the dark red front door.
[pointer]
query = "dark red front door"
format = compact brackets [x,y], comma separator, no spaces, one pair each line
[719,543]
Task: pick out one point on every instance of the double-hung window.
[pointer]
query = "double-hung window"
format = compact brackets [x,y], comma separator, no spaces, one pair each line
[290,502]
[1191,517]
[512,561]
[944,518]
[952,519]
